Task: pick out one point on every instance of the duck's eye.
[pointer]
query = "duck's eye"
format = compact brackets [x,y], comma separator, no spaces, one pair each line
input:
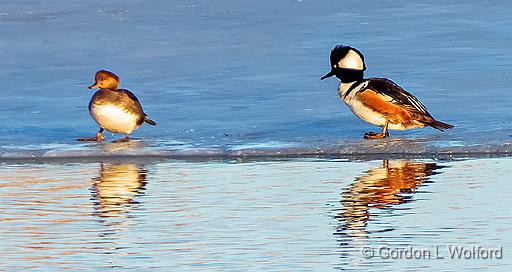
[335,66]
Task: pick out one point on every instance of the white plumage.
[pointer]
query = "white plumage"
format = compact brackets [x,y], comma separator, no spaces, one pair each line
[378,101]
[114,119]
[367,114]
[351,61]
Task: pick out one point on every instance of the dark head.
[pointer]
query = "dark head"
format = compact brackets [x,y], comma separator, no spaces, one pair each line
[347,64]
[105,80]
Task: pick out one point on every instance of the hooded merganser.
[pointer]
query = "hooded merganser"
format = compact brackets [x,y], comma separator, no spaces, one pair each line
[378,101]
[116,110]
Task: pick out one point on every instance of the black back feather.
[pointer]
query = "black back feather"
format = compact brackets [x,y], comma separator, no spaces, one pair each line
[400,96]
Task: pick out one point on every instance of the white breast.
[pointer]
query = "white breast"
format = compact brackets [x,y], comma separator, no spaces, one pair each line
[114,119]
[359,109]
[365,113]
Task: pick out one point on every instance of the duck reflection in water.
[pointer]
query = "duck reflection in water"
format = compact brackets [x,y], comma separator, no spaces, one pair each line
[115,191]
[380,188]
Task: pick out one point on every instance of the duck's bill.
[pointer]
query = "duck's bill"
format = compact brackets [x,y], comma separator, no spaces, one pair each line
[93,86]
[328,75]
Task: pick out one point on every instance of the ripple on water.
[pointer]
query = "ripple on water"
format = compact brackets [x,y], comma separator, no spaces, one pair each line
[276,215]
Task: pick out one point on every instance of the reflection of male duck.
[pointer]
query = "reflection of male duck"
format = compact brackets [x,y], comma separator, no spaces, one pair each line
[381,187]
[116,188]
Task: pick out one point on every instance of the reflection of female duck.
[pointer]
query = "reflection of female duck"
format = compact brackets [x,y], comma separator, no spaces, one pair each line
[117,186]
[381,187]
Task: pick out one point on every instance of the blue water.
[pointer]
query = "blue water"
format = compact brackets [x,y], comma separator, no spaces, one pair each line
[221,183]
[293,215]
[234,75]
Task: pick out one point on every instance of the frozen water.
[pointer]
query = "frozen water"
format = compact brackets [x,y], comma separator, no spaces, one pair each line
[242,77]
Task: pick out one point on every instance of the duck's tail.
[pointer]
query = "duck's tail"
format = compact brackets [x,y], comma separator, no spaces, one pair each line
[439,125]
[149,121]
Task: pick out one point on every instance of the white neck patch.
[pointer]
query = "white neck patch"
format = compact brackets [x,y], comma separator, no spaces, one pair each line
[344,87]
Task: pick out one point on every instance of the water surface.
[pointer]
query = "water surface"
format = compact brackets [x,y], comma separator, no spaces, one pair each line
[299,215]
[236,75]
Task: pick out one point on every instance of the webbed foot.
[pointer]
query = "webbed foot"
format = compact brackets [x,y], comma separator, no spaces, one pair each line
[374,135]
[123,140]
[98,138]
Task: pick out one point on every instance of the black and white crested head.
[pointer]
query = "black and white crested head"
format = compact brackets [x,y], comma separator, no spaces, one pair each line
[347,57]
[347,64]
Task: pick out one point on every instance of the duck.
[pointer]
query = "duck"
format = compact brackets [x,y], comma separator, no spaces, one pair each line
[113,109]
[377,101]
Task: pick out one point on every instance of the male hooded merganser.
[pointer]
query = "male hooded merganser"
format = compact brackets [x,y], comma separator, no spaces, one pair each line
[378,101]
[116,110]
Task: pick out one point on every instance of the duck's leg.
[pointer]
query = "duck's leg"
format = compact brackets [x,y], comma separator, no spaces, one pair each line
[374,135]
[98,138]
[125,139]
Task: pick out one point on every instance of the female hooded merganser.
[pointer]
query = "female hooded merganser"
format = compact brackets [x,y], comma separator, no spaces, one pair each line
[378,101]
[116,110]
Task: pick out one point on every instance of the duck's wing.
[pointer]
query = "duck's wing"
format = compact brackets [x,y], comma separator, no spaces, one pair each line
[134,105]
[386,97]
[381,93]
[130,102]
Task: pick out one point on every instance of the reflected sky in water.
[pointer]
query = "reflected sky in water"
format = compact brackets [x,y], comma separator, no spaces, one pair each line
[230,216]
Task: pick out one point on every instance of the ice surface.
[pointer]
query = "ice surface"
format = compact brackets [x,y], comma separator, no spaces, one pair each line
[233,78]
